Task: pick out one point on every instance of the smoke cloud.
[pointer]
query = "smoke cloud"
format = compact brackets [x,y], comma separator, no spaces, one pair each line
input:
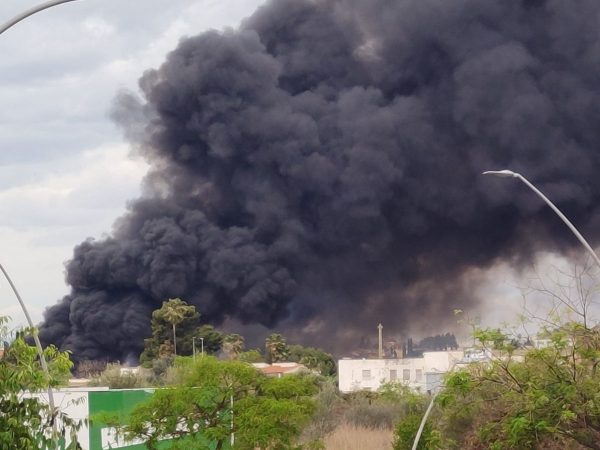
[318,169]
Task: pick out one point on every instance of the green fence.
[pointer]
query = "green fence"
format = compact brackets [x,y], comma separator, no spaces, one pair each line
[116,402]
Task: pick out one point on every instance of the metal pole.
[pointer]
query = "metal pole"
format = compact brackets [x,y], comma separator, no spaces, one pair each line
[232,438]
[24,15]
[428,411]
[510,173]
[38,344]
[423,421]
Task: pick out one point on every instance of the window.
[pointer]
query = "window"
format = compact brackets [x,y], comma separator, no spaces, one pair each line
[366,374]
[406,375]
[393,374]
[419,374]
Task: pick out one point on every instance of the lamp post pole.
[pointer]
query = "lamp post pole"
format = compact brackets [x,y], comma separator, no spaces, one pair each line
[25,14]
[511,174]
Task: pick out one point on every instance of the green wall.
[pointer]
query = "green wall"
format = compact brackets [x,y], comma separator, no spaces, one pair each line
[119,402]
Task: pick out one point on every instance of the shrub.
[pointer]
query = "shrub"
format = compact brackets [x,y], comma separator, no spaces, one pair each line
[115,378]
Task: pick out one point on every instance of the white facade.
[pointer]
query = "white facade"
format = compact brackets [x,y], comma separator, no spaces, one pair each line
[74,402]
[424,374]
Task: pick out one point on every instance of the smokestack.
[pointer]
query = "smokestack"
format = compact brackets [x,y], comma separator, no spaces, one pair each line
[319,168]
[380,329]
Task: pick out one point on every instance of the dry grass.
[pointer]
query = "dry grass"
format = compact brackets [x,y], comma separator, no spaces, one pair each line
[352,437]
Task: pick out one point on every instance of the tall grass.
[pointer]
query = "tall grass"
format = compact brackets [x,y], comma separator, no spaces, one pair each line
[356,437]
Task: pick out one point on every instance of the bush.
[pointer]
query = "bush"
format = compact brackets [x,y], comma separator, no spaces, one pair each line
[374,415]
[406,431]
[115,378]
[90,368]
[327,413]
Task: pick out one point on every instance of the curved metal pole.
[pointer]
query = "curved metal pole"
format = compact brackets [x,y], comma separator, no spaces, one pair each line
[510,173]
[25,14]
[38,344]
[423,421]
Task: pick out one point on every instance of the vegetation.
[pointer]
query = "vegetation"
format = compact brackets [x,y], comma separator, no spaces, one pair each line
[529,397]
[174,312]
[527,400]
[217,398]
[251,356]
[276,349]
[233,345]
[313,358]
[354,437]
[117,377]
[27,423]
[175,327]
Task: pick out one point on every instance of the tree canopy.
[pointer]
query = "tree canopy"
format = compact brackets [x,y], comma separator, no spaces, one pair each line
[26,422]
[218,398]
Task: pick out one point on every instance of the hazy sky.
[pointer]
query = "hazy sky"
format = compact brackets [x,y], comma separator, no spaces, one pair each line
[65,170]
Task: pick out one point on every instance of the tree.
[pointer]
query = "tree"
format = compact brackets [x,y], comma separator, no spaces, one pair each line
[221,397]
[175,311]
[527,399]
[213,339]
[276,349]
[27,423]
[251,356]
[313,358]
[161,344]
[233,345]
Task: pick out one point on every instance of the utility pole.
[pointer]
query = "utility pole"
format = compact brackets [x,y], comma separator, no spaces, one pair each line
[380,328]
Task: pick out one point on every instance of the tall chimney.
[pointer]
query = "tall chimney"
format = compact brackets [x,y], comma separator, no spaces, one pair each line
[380,328]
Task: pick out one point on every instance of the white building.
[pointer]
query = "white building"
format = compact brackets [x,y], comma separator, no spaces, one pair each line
[423,373]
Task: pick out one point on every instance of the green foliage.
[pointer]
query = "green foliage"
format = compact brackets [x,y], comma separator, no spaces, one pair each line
[251,356]
[276,349]
[116,378]
[175,311]
[406,431]
[26,423]
[174,316]
[233,345]
[328,406]
[523,399]
[314,359]
[213,339]
[198,413]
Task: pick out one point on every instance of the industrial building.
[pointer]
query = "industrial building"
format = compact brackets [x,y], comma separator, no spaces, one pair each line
[424,373]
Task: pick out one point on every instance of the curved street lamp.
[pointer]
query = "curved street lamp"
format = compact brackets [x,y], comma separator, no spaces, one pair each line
[25,14]
[5,26]
[510,174]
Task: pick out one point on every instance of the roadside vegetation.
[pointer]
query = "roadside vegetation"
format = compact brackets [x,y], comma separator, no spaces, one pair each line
[528,391]
[27,422]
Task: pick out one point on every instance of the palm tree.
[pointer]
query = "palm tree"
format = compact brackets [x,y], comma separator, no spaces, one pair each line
[276,348]
[175,311]
[233,345]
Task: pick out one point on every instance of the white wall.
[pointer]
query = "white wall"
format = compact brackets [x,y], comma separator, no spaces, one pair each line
[418,373]
[74,403]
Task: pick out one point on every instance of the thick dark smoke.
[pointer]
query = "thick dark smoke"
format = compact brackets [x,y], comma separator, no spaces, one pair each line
[318,169]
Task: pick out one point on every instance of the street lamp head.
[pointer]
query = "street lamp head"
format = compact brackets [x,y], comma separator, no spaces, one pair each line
[501,173]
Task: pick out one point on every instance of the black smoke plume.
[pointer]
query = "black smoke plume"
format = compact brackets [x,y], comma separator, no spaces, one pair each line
[318,169]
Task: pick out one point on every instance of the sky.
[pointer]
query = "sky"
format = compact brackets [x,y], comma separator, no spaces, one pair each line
[66,172]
